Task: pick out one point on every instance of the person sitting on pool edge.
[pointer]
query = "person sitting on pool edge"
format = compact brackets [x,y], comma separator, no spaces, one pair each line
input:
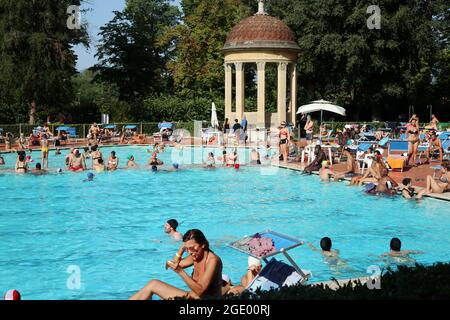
[351,169]
[254,268]
[396,250]
[408,191]
[316,164]
[170,227]
[206,279]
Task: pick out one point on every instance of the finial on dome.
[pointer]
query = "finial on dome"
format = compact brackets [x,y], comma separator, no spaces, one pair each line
[261,10]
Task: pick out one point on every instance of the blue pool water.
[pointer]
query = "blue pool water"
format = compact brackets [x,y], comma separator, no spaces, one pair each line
[112,229]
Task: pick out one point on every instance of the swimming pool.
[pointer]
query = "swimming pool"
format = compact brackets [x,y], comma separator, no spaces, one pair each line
[112,229]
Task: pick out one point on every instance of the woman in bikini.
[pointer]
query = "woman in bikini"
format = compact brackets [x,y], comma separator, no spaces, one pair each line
[96,155]
[206,279]
[21,164]
[284,141]
[413,139]
[440,186]
[113,162]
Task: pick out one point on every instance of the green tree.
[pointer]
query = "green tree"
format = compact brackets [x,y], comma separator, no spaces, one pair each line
[36,58]
[130,53]
[198,66]
[371,72]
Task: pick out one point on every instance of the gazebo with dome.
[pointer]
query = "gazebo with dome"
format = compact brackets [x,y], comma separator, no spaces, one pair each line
[261,39]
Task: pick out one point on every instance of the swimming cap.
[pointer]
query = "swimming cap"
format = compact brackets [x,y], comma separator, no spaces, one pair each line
[76,151]
[176,165]
[237,166]
[129,157]
[90,176]
[253,262]
[12,295]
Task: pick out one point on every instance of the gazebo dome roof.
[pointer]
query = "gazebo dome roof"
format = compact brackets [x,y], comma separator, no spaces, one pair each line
[261,32]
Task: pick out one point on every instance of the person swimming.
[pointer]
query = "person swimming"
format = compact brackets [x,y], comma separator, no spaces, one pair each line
[90,177]
[396,250]
[154,169]
[331,257]
[38,170]
[170,227]
[2,161]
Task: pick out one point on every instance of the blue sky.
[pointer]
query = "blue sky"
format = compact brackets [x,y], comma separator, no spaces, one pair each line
[100,12]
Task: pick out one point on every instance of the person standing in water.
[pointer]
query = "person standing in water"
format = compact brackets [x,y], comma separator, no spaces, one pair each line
[96,156]
[113,162]
[284,141]
[44,149]
[77,161]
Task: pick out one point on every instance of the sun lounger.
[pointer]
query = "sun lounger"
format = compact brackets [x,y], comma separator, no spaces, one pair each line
[395,160]
[281,245]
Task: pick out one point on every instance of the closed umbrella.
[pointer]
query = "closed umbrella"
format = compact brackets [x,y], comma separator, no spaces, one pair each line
[214,120]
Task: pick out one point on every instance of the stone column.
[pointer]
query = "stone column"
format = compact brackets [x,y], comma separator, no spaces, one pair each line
[261,115]
[282,75]
[240,91]
[293,93]
[228,90]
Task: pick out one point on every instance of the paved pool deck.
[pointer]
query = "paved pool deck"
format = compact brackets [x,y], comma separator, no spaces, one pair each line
[417,174]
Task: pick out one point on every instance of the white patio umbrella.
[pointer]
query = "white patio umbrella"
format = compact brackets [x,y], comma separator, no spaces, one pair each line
[214,120]
[321,106]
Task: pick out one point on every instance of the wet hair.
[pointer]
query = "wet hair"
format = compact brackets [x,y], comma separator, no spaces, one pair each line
[224,152]
[100,161]
[21,157]
[173,223]
[326,244]
[197,236]
[406,181]
[113,153]
[38,166]
[154,168]
[86,149]
[396,244]
[94,148]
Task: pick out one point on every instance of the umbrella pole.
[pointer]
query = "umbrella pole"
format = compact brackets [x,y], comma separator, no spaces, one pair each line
[321,117]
